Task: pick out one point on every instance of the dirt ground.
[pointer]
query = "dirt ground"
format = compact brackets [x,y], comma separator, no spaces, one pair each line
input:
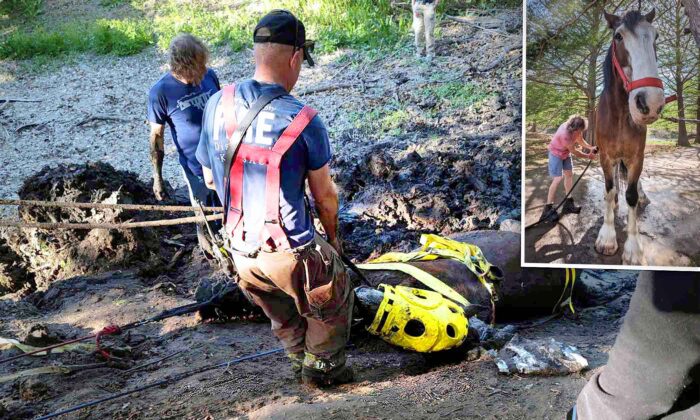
[390,383]
[440,170]
[667,224]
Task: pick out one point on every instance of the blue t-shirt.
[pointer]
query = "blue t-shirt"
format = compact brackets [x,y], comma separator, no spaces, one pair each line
[311,151]
[181,106]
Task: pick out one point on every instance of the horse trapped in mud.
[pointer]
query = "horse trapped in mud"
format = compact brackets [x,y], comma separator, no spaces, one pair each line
[632,98]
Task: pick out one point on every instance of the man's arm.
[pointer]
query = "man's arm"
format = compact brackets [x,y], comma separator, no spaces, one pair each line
[209,178]
[156,140]
[325,195]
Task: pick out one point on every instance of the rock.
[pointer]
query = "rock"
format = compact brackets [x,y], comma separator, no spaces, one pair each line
[539,357]
[473,354]
[510,225]
[33,389]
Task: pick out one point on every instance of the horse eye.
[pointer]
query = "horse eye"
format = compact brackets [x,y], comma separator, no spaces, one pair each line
[618,36]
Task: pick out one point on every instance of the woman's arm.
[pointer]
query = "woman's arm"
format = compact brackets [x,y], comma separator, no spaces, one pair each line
[572,148]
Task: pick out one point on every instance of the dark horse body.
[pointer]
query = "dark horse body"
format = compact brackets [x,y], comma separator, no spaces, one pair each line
[623,112]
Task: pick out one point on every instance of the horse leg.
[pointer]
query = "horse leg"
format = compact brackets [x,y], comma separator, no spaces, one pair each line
[633,253]
[607,237]
[643,199]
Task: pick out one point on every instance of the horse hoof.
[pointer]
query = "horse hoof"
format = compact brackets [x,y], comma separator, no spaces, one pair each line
[606,243]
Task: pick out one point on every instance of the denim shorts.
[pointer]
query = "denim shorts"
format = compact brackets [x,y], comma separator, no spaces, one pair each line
[557,165]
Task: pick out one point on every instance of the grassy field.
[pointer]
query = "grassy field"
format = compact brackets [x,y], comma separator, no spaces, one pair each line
[122,27]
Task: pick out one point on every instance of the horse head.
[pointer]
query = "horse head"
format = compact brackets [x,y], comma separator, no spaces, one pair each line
[634,49]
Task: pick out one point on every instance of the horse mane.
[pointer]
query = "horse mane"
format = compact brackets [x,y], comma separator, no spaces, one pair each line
[608,71]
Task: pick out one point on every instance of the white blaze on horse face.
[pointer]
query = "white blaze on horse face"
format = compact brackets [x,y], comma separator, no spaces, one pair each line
[645,103]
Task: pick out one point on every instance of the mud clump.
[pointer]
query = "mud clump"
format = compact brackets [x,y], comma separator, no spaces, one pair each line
[33,389]
[63,253]
[14,273]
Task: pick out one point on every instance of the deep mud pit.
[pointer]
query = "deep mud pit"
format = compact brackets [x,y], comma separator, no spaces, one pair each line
[667,224]
[437,168]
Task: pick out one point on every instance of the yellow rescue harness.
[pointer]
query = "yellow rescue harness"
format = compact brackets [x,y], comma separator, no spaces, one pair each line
[436,247]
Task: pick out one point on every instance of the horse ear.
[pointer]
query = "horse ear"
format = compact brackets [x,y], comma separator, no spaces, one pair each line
[651,15]
[613,20]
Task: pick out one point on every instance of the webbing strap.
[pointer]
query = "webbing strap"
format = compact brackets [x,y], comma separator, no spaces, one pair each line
[424,277]
[273,224]
[570,279]
[235,139]
[435,247]
[272,158]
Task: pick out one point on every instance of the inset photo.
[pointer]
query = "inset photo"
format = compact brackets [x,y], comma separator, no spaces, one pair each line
[612,135]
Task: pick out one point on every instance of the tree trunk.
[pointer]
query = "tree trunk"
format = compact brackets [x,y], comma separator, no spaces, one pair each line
[692,9]
[678,70]
[697,112]
[591,81]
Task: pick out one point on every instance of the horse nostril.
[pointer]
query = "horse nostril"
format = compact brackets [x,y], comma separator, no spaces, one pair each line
[641,102]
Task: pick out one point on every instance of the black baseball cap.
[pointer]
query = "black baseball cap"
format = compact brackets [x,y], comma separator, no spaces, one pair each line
[282,27]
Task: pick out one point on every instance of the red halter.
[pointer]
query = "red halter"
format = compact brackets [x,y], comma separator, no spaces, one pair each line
[636,84]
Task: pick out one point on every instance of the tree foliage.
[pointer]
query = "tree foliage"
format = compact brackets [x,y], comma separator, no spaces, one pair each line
[567,44]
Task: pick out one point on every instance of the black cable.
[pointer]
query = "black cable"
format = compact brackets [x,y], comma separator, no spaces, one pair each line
[166,381]
[539,222]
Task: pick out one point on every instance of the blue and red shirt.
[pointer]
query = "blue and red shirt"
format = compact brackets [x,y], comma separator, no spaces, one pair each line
[310,152]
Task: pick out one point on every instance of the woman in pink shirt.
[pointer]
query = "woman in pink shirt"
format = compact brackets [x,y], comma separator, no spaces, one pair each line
[561,147]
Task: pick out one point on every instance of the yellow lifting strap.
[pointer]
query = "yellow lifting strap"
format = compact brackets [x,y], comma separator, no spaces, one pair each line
[435,247]
[569,280]
[424,277]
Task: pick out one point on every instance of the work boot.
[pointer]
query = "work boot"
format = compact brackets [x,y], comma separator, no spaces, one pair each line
[570,207]
[548,214]
[317,372]
[297,360]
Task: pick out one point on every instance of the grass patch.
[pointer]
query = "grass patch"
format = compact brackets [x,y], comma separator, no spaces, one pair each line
[456,95]
[333,23]
[117,37]
[27,9]
[388,119]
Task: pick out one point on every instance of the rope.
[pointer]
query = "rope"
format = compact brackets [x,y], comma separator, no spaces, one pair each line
[143,207]
[115,329]
[118,226]
[166,381]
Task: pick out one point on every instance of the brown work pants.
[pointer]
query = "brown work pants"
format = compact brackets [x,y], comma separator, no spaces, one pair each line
[306,294]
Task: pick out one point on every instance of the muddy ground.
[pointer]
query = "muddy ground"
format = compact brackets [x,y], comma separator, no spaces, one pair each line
[668,224]
[440,169]
[390,383]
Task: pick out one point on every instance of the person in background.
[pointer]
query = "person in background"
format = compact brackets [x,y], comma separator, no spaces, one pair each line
[178,99]
[561,147]
[424,26]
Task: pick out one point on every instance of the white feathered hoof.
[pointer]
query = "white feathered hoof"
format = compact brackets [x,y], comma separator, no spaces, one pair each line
[633,253]
[606,243]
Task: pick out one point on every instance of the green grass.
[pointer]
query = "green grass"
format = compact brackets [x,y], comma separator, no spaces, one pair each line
[25,9]
[333,23]
[117,37]
[456,94]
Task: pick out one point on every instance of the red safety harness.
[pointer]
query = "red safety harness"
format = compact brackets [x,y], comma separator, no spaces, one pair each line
[636,84]
[272,234]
